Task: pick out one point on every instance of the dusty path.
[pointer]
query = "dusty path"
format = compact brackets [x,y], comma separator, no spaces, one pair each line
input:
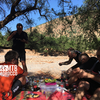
[37,63]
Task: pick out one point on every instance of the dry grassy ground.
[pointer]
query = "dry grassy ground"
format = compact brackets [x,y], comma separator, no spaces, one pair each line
[43,65]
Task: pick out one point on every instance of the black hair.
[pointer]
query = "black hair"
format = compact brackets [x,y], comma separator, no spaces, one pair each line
[84,54]
[71,50]
[19,24]
[11,55]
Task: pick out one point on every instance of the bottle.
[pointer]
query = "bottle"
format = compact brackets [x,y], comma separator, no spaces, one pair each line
[30,81]
[62,77]
[62,84]
[31,84]
[74,88]
[35,85]
[32,89]
[27,80]
[66,84]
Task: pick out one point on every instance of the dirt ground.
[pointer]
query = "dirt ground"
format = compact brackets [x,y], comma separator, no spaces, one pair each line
[38,64]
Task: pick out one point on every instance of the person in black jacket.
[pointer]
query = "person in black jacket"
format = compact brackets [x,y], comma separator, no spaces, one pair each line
[72,54]
[90,81]
[19,39]
[88,64]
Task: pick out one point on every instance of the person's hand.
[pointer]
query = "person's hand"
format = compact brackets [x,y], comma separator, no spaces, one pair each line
[69,71]
[23,40]
[74,72]
[83,74]
[60,63]
[25,73]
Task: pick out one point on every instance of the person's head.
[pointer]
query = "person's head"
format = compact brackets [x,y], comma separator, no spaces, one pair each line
[71,53]
[83,57]
[19,27]
[98,54]
[71,48]
[12,57]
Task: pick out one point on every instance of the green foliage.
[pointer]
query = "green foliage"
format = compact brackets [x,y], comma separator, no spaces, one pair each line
[50,45]
[4,42]
[89,14]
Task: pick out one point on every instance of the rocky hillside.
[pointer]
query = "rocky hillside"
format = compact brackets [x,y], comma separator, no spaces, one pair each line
[59,26]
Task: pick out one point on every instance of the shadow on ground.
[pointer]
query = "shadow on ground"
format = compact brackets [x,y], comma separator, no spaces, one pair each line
[1,50]
[54,54]
[40,75]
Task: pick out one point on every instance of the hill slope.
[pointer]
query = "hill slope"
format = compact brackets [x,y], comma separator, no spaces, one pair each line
[58,27]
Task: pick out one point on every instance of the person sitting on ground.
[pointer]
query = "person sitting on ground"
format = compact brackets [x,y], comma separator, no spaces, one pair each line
[88,63]
[90,82]
[72,54]
[12,77]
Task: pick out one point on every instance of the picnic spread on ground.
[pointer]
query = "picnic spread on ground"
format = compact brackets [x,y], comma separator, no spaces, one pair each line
[46,89]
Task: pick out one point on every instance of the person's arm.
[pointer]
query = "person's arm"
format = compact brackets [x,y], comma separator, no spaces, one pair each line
[20,75]
[11,36]
[25,73]
[66,62]
[94,77]
[69,71]
[74,72]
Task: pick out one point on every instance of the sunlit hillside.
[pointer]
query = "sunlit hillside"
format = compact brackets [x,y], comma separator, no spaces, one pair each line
[58,26]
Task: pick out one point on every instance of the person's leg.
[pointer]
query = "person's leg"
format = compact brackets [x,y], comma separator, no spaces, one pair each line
[24,65]
[74,72]
[69,71]
[83,86]
[96,95]
[72,79]
[17,84]
[23,60]
[23,80]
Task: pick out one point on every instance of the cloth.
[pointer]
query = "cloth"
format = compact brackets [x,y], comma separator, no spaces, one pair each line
[15,87]
[77,60]
[77,57]
[7,76]
[76,65]
[57,95]
[97,68]
[89,64]
[17,44]
[22,95]
[22,56]
[93,84]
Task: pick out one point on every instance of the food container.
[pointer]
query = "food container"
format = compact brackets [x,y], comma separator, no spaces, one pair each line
[48,89]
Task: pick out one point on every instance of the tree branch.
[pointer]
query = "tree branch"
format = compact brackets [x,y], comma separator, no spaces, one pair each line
[14,5]
[13,14]
[42,15]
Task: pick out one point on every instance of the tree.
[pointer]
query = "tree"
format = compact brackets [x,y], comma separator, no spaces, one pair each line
[88,18]
[90,15]
[23,8]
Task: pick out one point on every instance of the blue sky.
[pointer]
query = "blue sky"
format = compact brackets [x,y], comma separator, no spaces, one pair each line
[12,24]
